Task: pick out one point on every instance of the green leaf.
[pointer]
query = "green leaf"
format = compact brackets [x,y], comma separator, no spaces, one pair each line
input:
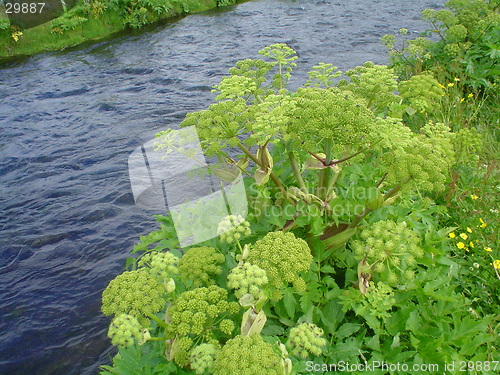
[374,343]
[331,315]
[346,330]
[290,303]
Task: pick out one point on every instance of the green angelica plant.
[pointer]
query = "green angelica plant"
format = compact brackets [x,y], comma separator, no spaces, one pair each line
[283,257]
[247,278]
[345,260]
[135,293]
[200,265]
[162,265]
[202,358]
[196,315]
[388,249]
[248,355]
[125,330]
[306,339]
[232,228]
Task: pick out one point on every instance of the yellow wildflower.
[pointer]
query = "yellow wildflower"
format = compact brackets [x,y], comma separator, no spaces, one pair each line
[496,264]
[471,244]
[16,35]
[470,95]
[464,236]
[452,235]
[473,196]
[488,249]
[456,79]
[460,245]
[451,84]
[483,224]
[462,100]
[469,230]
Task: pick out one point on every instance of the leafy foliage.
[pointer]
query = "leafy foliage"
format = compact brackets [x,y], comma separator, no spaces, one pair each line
[345,256]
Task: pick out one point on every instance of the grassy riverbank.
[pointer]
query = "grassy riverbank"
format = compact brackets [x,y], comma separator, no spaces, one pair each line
[90,20]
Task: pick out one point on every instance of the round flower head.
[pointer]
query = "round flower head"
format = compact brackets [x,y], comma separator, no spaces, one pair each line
[201,264]
[124,330]
[248,355]
[282,256]
[306,338]
[160,264]
[135,293]
[202,358]
[247,278]
[232,228]
[195,312]
[388,245]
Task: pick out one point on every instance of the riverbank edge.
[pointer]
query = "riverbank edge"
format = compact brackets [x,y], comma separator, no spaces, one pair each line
[41,39]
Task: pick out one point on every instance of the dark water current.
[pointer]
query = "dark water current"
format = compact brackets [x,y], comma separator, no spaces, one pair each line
[68,122]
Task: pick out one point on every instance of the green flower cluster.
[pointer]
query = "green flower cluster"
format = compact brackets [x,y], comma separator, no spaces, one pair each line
[380,298]
[306,338]
[418,161]
[202,358]
[322,74]
[124,330]
[328,114]
[201,265]
[282,256]
[388,246]
[160,264]
[232,228]
[136,293]
[422,92]
[247,278]
[194,313]
[374,83]
[248,355]
[220,125]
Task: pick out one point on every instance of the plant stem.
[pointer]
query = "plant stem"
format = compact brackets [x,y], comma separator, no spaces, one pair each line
[273,177]
[160,322]
[324,175]
[296,172]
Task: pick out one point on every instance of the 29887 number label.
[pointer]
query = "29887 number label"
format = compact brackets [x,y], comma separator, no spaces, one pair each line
[24,8]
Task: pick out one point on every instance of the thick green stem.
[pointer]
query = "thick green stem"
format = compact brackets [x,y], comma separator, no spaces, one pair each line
[324,175]
[160,322]
[296,172]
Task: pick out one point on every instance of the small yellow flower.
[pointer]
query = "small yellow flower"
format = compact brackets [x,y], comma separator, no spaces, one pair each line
[473,196]
[452,235]
[469,230]
[462,100]
[456,79]
[451,84]
[464,236]
[442,86]
[488,249]
[496,264]
[483,224]
[470,95]
[471,244]
[460,245]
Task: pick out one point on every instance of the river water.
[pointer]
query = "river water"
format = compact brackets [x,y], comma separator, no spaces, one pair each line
[68,123]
